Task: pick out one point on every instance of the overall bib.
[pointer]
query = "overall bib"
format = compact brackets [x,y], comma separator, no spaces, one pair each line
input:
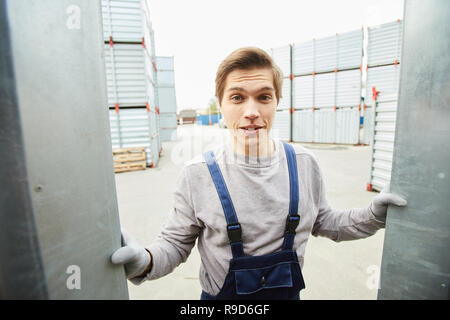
[271,276]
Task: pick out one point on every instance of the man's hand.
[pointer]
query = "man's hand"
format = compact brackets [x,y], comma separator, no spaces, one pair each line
[381,202]
[135,257]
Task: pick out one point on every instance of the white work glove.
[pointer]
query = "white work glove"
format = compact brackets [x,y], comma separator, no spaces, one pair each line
[135,258]
[381,202]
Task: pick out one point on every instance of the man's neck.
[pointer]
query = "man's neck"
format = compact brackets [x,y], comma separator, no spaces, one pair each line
[261,149]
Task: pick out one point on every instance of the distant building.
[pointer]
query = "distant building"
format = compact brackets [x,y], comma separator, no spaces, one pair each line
[188,115]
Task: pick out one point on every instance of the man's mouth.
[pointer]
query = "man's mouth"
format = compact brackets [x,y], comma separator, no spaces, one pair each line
[251,130]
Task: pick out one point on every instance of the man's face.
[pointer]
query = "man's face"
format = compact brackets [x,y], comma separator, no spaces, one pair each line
[248,105]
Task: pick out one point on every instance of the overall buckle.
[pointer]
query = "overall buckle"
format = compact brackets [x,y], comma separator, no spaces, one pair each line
[292,222]
[234,232]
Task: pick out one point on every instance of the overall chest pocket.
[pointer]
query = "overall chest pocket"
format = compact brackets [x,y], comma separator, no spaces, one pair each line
[253,280]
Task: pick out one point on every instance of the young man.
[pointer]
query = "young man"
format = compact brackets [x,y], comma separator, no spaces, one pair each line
[251,203]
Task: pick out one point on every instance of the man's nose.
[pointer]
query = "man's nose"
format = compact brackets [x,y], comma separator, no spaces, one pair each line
[251,110]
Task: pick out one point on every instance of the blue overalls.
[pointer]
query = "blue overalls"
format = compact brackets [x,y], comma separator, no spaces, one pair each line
[271,276]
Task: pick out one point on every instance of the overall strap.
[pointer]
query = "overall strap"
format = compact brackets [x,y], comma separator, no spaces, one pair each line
[234,229]
[293,218]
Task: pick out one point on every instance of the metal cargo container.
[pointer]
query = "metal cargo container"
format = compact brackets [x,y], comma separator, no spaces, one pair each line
[303,126]
[350,49]
[325,90]
[285,101]
[325,54]
[166,96]
[367,125]
[385,79]
[167,99]
[135,127]
[166,84]
[324,125]
[348,88]
[127,79]
[335,53]
[383,123]
[347,125]
[168,126]
[303,92]
[122,20]
[327,78]
[303,58]
[281,128]
[384,43]
[165,69]
[282,58]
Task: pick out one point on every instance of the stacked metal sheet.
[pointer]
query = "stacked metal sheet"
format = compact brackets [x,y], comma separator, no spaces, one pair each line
[281,128]
[341,52]
[282,125]
[166,97]
[131,76]
[384,43]
[383,71]
[327,82]
[383,141]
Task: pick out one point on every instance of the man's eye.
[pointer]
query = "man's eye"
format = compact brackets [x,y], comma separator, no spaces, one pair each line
[265,97]
[236,98]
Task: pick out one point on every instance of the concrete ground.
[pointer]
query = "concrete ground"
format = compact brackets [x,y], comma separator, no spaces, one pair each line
[346,270]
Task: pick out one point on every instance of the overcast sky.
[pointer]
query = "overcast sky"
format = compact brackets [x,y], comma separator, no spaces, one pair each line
[201,33]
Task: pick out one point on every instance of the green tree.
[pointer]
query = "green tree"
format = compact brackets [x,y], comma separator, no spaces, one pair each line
[213,106]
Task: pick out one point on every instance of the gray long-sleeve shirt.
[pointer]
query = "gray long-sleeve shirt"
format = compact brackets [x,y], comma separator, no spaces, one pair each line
[259,189]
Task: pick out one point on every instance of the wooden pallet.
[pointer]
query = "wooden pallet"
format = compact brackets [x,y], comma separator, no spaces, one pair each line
[129,159]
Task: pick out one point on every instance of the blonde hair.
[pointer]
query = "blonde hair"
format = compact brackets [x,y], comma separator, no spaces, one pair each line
[247,58]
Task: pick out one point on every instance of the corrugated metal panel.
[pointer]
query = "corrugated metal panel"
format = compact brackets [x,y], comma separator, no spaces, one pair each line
[285,101]
[384,43]
[281,128]
[324,125]
[168,126]
[383,141]
[303,92]
[345,91]
[303,58]
[148,27]
[125,75]
[282,58]
[122,20]
[134,127]
[166,73]
[325,54]
[348,88]
[303,126]
[368,125]
[167,99]
[324,90]
[166,84]
[166,78]
[155,143]
[342,51]
[347,125]
[350,49]
[385,79]
[165,63]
